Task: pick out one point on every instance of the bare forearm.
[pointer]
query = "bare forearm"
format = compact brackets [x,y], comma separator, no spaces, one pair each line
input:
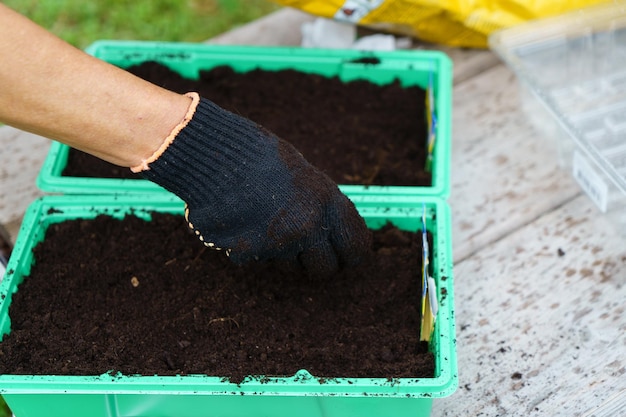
[53,89]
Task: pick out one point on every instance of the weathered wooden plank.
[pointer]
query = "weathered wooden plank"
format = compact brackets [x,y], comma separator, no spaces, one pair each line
[279,28]
[504,173]
[541,328]
[467,63]
[21,157]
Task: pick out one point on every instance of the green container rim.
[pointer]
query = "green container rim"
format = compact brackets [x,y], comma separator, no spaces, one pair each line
[343,62]
[49,209]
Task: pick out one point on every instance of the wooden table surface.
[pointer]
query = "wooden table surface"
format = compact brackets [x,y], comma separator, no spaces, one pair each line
[539,271]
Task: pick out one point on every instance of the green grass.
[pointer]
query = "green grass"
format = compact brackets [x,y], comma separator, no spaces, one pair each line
[81,22]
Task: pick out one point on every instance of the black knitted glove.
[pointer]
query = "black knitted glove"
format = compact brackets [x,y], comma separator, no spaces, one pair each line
[254,195]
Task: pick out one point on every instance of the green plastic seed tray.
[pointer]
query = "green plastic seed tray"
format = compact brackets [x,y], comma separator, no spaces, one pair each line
[301,394]
[411,68]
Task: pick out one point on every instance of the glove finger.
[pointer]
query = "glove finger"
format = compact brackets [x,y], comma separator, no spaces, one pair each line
[351,238]
[319,260]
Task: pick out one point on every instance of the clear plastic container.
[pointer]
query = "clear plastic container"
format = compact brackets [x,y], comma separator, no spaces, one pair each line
[573,69]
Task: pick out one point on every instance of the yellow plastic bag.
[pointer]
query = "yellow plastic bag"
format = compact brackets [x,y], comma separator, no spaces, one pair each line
[451,22]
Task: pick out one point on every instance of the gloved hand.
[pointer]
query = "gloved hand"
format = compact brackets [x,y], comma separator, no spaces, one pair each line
[254,195]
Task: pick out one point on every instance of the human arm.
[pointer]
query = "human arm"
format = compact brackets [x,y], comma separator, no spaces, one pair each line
[247,191]
[53,89]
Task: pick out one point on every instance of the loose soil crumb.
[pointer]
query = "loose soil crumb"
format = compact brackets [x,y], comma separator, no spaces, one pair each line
[148,298]
[357,132]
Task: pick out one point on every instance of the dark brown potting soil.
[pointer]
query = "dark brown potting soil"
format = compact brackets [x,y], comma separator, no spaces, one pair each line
[357,132]
[81,164]
[148,298]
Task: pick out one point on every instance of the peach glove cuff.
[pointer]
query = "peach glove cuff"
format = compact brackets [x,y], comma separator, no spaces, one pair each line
[144,166]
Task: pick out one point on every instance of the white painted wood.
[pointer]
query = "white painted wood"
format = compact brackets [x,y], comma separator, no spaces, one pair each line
[279,28]
[504,173]
[539,333]
[21,157]
[466,63]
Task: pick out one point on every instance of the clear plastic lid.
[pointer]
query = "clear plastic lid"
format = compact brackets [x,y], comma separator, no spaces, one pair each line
[576,64]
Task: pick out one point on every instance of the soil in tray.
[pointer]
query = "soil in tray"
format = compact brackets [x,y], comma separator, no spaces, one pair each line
[147,298]
[357,132]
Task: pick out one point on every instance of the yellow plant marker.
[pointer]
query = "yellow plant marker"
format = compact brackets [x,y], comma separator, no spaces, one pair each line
[430,305]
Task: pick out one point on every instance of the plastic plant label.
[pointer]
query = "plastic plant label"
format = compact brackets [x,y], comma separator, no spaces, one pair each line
[430,305]
[590,181]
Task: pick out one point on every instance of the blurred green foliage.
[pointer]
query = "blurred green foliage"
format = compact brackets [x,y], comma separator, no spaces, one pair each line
[81,22]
